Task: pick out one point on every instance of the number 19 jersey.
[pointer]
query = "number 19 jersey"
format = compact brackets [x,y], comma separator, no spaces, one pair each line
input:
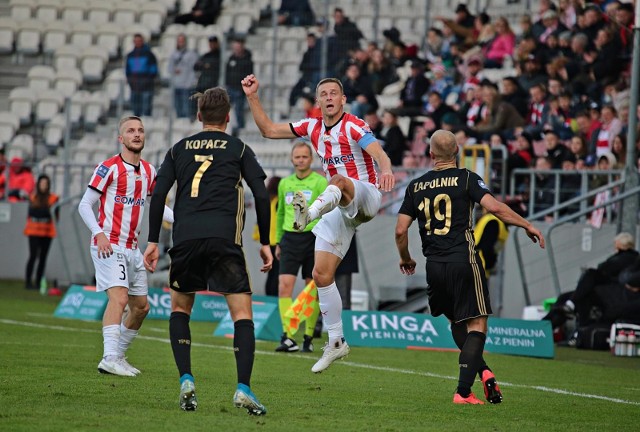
[442,201]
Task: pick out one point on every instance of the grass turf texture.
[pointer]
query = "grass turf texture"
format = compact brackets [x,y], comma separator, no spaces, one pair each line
[49,382]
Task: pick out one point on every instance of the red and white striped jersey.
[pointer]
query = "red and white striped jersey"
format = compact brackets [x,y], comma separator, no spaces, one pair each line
[124,189]
[341,148]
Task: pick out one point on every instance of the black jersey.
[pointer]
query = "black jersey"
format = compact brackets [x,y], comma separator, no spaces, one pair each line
[443,201]
[209,168]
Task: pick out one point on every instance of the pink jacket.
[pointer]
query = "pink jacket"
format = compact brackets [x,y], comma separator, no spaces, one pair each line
[500,47]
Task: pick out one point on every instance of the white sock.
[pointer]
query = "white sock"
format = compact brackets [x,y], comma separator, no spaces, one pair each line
[126,337]
[111,338]
[331,309]
[327,201]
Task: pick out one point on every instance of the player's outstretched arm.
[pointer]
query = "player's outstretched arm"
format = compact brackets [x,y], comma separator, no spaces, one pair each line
[268,129]
[386,178]
[508,216]
[407,264]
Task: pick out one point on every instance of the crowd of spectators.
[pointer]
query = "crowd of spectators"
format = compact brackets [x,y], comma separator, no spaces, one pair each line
[560,98]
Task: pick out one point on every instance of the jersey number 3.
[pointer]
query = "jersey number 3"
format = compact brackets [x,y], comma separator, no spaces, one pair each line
[206,161]
[436,211]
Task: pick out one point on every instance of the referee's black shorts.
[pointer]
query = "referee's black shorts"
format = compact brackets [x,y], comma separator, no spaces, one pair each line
[211,264]
[457,290]
[297,250]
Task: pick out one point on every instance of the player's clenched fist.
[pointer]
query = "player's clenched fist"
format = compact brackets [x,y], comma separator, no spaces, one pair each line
[250,84]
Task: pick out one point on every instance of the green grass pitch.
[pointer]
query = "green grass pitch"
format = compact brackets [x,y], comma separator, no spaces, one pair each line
[49,382]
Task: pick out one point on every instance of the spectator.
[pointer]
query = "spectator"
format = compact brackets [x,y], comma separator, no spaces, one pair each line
[40,229]
[473,110]
[556,151]
[619,150]
[567,13]
[374,122]
[435,109]
[141,71]
[310,69]
[21,182]
[569,183]
[311,109]
[203,12]
[295,13]
[538,110]
[239,65]
[358,91]
[441,83]
[391,39]
[209,66]
[544,186]
[578,147]
[552,26]
[347,34]
[532,74]
[436,47]
[500,47]
[593,21]
[3,178]
[183,77]
[502,117]
[395,143]
[522,155]
[609,129]
[380,71]
[515,95]
[414,89]
[462,26]
[559,119]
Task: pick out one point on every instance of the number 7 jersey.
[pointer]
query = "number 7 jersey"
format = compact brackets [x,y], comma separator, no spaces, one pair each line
[442,201]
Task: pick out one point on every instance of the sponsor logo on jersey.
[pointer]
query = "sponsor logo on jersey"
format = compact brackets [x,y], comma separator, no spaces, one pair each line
[127,200]
[338,160]
[482,185]
[102,171]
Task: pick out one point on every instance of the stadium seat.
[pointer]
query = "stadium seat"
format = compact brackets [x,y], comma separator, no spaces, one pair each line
[21,10]
[82,34]
[125,13]
[28,39]
[94,109]
[24,144]
[225,22]
[21,101]
[109,36]
[242,23]
[73,10]
[8,29]
[93,62]
[54,130]
[76,111]
[67,81]
[115,83]
[66,57]
[55,35]
[48,104]
[99,12]
[152,16]
[40,77]
[9,124]
[47,10]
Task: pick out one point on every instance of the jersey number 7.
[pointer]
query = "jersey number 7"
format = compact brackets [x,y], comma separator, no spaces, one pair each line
[206,160]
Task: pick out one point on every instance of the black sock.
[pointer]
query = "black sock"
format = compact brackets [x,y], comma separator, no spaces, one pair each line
[180,335]
[459,333]
[244,347]
[470,361]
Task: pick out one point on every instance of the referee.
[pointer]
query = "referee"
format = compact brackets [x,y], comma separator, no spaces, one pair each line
[442,200]
[207,235]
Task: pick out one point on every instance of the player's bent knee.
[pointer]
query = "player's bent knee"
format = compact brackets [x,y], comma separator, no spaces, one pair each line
[322,277]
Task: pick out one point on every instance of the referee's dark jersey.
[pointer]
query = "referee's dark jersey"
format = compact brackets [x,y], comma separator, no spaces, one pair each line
[209,167]
[442,201]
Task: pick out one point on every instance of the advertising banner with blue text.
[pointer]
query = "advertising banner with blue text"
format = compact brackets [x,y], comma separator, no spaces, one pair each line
[266,321]
[420,331]
[82,302]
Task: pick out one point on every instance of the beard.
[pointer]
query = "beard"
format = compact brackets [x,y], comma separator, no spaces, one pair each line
[134,147]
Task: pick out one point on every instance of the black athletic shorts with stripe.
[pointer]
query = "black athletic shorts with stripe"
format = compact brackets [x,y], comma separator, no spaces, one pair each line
[458,290]
[297,250]
[211,264]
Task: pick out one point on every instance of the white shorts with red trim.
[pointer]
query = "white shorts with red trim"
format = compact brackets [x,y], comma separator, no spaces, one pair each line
[124,268]
[338,226]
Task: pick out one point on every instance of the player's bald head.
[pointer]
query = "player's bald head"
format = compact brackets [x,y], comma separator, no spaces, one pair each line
[443,145]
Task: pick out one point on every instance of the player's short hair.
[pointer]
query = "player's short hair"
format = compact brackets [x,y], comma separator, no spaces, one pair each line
[297,144]
[625,241]
[330,80]
[125,119]
[443,145]
[213,105]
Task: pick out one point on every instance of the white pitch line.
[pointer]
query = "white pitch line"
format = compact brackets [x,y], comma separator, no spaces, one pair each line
[346,363]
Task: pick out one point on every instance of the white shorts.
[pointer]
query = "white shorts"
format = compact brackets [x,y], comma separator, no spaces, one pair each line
[124,268]
[338,226]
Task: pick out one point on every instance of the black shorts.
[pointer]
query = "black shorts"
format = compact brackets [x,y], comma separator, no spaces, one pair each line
[457,290]
[297,250]
[211,264]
